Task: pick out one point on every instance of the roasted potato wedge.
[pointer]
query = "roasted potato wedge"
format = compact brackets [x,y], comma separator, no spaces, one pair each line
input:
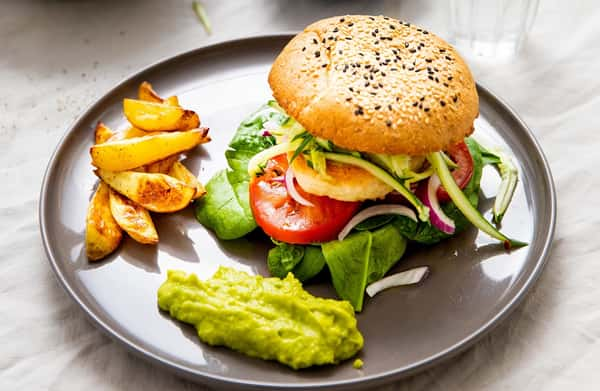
[179,171]
[122,155]
[147,93]
[133,219]
[171,101]
[157,117]
[162,166]
[130,132]
[102,233]
[102,133]
[155,192]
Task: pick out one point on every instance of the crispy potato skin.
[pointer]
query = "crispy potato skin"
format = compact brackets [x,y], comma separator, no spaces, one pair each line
[102,234]
[133,219]
[179,171]
[121,155]
[157,117]
[155,192]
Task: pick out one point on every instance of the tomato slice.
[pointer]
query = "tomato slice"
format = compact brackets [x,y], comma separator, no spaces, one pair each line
[284,219]
[460,154]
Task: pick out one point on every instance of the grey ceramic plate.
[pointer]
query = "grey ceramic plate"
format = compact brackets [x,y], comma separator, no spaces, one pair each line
[473,286]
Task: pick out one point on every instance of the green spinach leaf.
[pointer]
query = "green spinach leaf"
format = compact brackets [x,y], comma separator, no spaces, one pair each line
[361,258]
[225,208]
[304,262]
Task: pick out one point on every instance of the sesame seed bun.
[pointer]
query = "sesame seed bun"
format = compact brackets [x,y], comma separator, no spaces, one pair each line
[375,84]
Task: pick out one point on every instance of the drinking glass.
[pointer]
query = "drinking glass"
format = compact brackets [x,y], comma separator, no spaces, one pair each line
[492,28]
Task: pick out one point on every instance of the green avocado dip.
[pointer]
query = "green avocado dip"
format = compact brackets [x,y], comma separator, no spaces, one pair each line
[268,318]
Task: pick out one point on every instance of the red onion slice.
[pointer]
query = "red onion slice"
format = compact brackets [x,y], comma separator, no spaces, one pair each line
[384,209]
[292,191]
[408,277]
[436,215]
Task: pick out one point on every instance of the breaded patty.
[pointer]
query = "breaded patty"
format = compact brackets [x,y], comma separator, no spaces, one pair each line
[346,183]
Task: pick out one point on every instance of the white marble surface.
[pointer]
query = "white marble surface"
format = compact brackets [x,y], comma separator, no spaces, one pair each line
[57,57]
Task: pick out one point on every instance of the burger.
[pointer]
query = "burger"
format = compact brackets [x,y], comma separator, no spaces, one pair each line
[367,148]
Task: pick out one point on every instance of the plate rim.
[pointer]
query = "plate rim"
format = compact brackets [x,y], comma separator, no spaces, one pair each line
[220,380]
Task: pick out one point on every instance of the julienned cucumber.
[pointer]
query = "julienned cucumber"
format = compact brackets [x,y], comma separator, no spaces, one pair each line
[383,176]
[436,159]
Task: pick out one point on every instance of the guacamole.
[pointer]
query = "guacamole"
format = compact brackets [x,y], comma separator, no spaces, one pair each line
[269,318]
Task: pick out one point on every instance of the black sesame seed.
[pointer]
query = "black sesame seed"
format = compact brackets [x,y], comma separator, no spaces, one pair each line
[386,18]
[304,48]
[348,38]
[323,40]
[455,98]
[372,18]
[392,27]
[377,107]
[430,77]
[335,30]
[383,74]
[367,84]
[442,50]
[390,107]
[411,68]
[426,109]
[359,111]
[340,51]
[317,54]
[428,60]
[351,89]
[348,99]
[388,123]
[420,105]
[315,41]
[345,68]
[446,85]
[403,66]
[449,77]
[406,44]
[425,32]
[417,70]
[448,58]
[374,34]
[324,66]
[350,24]
[360,54]
[415,104]
[435,69]
[413,50]
[376,43]
[342,20]
[437,80]
[442,103]
[368,66]
[373,93]
[380,85]
[392,70]
[353,73]
[422,99]
[419,30]
[328,48]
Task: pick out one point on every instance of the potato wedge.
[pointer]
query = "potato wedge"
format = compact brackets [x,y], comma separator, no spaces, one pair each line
[102,233]
[121,155]
[133,219]
[102,133]
[179,171]
[155,192]
[162,166]
[130,132]
[147,93]
[172,101]
[156,117]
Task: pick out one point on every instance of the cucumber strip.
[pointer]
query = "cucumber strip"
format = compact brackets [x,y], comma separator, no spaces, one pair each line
[462,203]
[383,176]
[263,156]
[510,176]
